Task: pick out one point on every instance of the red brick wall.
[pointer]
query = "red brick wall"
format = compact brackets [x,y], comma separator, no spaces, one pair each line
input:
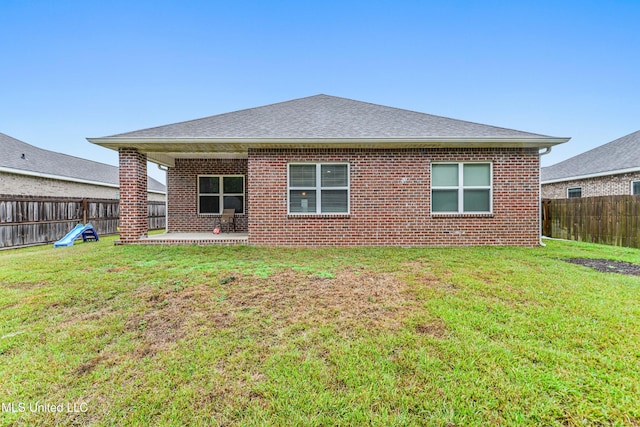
[133,195]
[390,200]
[182,193]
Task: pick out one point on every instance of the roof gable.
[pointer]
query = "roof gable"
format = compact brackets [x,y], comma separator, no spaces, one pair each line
[618,155]
[326,117]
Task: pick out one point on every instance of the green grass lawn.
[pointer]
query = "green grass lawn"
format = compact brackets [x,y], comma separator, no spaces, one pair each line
[191,335]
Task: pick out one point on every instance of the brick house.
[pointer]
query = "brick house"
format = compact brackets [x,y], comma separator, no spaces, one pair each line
[324,170]
[608,170]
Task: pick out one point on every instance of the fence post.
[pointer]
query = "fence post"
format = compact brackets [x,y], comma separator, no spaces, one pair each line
[546,220]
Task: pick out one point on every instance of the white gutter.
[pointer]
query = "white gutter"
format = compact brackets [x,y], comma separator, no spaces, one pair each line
[592,175]
[65,178]
[544,142]
[547,151]
[165,168]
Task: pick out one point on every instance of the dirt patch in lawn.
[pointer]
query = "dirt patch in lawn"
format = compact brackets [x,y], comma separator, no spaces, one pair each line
[373,300]
[92,363]
[607,265]
[168,315]
[435,328]
[425,278]
[25,285]
[348,300]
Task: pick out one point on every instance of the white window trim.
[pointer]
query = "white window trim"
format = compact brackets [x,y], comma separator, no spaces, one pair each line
[631,189]
[318,189]
[461,187]
[574,188]
[221,194]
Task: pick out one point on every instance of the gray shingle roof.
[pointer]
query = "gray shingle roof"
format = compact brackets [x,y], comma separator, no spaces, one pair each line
[15,154]
[324,116]
[621,154]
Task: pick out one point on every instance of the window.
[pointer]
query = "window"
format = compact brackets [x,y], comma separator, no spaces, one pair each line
[635,187]
[574,192]
[318,188]
[216,193]
[461,188]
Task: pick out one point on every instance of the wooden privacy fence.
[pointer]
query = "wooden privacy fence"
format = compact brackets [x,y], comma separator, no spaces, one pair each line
[35,220]
[610,220]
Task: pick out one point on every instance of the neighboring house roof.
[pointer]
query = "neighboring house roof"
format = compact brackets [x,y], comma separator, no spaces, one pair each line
[615,157]
[22,158]
[319,120]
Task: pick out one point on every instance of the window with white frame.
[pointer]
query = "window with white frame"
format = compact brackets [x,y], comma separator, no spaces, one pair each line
[635,187]
[318,188]
[574,192]
[216,193]
[461,187]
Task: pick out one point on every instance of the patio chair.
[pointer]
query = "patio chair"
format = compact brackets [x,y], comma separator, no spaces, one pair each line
[228,218]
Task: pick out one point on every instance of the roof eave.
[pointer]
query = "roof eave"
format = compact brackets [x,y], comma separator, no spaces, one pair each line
[242,144]
[591,175]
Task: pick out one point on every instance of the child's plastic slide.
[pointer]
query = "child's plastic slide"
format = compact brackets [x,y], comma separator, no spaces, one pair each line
[86,231]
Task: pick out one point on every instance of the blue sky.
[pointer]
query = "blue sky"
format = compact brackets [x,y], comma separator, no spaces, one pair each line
[76,69]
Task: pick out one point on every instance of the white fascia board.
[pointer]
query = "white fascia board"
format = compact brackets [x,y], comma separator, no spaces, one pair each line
[65,178]
[542,142]
[592,175]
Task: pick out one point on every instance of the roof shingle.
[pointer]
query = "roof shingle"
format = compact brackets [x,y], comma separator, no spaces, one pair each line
[324,116]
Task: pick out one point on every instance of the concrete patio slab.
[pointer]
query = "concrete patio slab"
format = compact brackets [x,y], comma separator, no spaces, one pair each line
[201,239]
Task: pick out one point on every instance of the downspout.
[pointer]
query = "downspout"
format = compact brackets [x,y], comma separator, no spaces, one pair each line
[547,150]
[166,198]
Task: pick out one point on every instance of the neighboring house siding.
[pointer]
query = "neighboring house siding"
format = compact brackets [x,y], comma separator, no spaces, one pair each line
[390,199]
[36,186]
[155,197]
[182,190]
[25,185]
[611,185]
